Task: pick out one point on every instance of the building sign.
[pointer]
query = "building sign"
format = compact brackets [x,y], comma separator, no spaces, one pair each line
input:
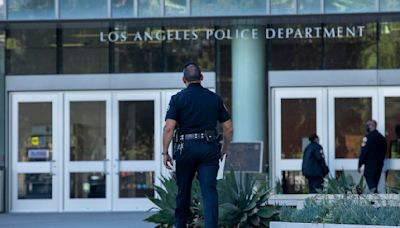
[245,157]
[229,34]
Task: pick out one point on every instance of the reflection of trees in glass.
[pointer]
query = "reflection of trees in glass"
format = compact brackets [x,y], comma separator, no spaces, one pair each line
[349,5]
[392,120]
[122,8]
[200,50]
[389,5]
[389,45]
[136,126]
[351,53]
[291,53]
[149,8]
[34,119]
[83,8]
[309,6]
[351,114]
[298,121]
[283,6]
[228,7]
[175,7]
[31,8]
[31,51]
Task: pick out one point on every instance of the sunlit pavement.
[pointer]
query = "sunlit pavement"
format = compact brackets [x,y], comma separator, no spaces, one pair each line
[76,220]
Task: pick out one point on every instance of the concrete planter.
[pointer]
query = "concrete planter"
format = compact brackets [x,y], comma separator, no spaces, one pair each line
[320,225]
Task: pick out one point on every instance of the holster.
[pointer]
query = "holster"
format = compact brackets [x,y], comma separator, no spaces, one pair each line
[175,143]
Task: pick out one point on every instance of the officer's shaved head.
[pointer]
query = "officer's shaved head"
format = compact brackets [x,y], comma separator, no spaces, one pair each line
[191,72]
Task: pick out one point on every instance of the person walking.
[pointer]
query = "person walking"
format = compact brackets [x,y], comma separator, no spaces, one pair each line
[314,167]
[195,111]
[373,153]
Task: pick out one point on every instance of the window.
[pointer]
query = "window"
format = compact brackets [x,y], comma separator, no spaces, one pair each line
[83,8]
[30,9]
[31,50]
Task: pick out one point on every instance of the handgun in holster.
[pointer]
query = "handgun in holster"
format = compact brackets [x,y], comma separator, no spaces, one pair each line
[175,143]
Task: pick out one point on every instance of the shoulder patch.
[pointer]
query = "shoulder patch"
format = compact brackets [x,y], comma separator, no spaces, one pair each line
[364,141]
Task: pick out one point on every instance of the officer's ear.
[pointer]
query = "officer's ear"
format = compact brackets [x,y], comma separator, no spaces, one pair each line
[201,77]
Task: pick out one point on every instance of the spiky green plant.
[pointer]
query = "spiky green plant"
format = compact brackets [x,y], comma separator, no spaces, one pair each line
[240,204]
[244,204]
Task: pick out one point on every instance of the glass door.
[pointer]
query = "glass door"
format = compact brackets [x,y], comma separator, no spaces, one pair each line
[136,149]
[349,110]
[87,151]
[36,152]
[298,112]
[389,107]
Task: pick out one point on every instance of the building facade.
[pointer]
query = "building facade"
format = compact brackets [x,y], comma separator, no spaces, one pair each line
[85,85]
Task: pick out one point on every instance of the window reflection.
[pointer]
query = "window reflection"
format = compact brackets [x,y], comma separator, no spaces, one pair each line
[83,52]
[88,131]
[136,184]
[175,8]
[178,52]
[392,125]
[136,55]
[295,53]
[34,186]
[136,127]
[228,7]
[393,181]
[340,6]
[309,6]
[122,8]
[389,5]
[352,53]
[351,114]
[29,9]
[298,121]
[293,182]
[283,6]
[389,41]
[31,51]
[35,132]
[83,9]
[87,185]
[149,8]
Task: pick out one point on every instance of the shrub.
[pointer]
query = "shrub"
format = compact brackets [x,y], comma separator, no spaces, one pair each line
[346,210]
[241,203]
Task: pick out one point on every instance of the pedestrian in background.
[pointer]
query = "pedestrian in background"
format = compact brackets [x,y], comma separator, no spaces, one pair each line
[314,167]
[373,153]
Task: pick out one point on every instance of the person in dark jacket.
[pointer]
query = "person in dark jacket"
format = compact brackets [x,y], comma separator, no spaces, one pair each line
[373,152]
[314,167]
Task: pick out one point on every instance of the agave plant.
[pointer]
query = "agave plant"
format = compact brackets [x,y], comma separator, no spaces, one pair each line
[244,204]
[241,204]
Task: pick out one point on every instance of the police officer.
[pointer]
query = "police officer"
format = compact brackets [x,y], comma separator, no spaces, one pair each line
[314,167]
[196,111]
[373,152]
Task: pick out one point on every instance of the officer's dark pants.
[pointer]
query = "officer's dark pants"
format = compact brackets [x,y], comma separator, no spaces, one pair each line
[201,157]
[314,183]
[372,181]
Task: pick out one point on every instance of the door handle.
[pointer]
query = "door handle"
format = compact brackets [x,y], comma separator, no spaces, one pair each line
[105,172]
[51,162]
[119,166]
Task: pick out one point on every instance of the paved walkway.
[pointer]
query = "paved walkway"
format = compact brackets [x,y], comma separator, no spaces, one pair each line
[76,220]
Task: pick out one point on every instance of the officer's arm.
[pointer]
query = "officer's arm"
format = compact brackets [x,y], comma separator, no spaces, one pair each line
[228,132]
[168,132]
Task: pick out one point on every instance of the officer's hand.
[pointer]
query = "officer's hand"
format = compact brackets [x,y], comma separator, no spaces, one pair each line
[224,152]
[167,160]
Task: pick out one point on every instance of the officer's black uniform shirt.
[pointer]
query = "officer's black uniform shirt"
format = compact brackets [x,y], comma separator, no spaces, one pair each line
[373,152]
[197,109]
[312,160]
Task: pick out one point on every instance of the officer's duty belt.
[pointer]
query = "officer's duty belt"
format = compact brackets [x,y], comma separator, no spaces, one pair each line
[192,136]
